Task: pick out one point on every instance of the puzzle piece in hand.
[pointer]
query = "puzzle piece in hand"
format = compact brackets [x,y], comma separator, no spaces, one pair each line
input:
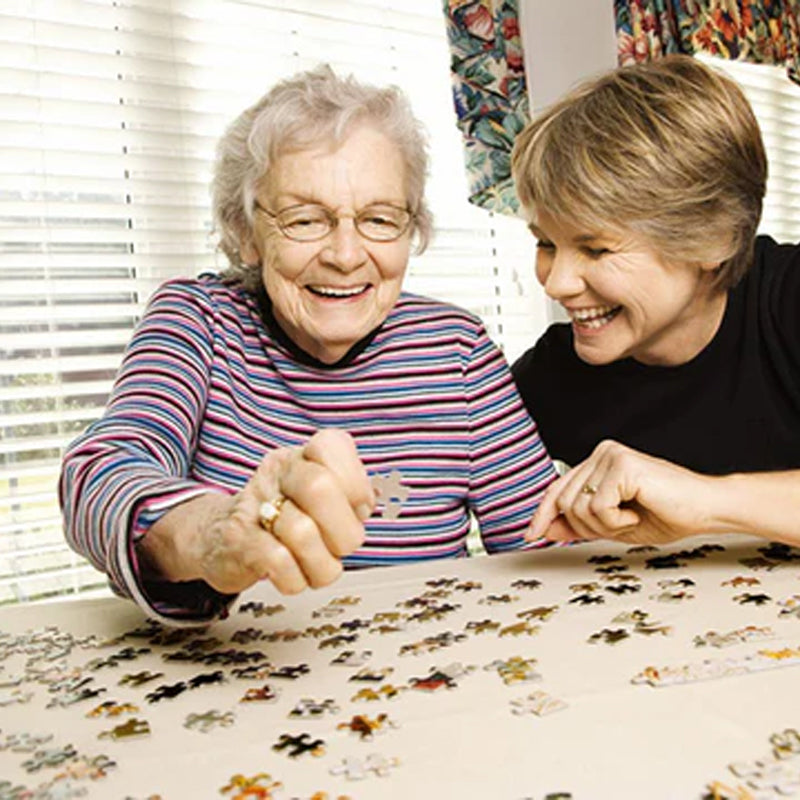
[390,492]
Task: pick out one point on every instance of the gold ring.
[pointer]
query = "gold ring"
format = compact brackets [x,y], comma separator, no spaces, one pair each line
[269,511]
[588,489]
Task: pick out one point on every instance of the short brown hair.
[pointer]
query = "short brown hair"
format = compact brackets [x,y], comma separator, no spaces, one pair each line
[670,149]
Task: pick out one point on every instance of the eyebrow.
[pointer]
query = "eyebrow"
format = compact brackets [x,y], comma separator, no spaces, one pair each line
[536,231]
[584,238]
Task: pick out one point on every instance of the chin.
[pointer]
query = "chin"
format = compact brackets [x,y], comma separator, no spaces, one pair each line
[595,357]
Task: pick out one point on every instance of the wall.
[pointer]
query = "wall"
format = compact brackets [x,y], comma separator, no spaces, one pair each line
[561,48]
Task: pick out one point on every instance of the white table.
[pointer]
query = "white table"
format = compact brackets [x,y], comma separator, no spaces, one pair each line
[615,738]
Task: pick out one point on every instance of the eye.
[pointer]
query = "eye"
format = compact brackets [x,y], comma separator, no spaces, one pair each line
[383,223]
[596,252]
[543,244]
[379,220]
[303,221]
[383,217]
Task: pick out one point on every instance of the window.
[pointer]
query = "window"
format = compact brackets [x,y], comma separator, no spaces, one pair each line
[776,102]
[109,114]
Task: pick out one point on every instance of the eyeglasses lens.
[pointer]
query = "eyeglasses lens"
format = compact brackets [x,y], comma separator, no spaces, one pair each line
[309,223]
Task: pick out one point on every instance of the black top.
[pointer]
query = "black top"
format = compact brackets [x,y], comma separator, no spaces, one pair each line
[735,407]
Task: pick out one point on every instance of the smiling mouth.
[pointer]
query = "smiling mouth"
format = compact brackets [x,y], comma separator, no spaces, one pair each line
[593,318]
[338,292]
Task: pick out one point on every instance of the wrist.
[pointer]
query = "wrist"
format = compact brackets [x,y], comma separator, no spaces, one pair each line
[176,547]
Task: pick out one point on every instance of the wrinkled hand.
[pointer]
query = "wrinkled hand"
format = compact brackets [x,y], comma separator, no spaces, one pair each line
[620,493]
[328,498]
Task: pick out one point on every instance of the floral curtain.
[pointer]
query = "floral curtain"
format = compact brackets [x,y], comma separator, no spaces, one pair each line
[489,92]
[488,76]
[760,31]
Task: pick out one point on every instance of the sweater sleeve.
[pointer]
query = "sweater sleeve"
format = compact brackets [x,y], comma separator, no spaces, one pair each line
[510,467]
[134,463]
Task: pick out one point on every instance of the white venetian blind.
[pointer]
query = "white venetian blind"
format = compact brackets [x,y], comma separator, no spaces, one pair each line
[109,113]
[776,102]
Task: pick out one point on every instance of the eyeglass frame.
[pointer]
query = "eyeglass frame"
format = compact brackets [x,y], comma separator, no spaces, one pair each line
[334,219]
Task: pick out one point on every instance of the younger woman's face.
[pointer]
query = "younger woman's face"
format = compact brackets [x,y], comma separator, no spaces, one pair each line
[623,298]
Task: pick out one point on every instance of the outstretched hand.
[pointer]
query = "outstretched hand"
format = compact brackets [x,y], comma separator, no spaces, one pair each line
[620,493]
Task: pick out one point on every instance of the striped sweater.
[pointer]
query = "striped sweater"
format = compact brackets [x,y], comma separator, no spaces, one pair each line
[209,384]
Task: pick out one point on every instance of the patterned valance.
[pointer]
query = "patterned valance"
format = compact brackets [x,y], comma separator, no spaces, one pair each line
[489,88]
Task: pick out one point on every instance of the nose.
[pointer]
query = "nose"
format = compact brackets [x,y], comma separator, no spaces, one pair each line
[560,275]
[344,249]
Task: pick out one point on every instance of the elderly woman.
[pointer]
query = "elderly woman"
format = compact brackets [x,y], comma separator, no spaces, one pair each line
[674,391]
[257,414]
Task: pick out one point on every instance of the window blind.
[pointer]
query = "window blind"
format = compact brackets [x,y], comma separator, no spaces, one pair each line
[109,114]
[776,102]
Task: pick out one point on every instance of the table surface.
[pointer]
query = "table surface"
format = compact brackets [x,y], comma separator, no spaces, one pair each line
[612,737]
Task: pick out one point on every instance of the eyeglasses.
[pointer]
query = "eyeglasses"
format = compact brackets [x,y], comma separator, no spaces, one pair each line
[309,222]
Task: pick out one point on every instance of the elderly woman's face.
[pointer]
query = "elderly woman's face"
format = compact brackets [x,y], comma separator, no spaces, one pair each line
[623,298]
[329,294]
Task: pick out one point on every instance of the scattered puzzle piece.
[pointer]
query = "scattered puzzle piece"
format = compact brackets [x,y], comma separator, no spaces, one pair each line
[538,703]
[356,769]
[299,744]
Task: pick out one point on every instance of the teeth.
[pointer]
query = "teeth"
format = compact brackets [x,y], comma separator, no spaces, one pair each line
[593,317]
[588,314]
[584,314]
[330,291]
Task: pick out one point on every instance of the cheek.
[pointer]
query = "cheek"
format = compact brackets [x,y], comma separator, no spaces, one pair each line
[542,268]
[282,262]
[392,265]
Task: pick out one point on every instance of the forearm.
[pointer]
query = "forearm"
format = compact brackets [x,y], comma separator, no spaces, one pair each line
[763,504]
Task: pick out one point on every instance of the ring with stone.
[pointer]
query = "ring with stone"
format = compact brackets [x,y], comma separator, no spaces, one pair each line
[269,511]
[588,488]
